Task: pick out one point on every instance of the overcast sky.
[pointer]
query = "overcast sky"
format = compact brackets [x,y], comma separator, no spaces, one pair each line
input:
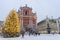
[41,7]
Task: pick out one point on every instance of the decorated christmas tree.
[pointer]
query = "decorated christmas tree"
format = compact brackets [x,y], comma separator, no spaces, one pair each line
[11,27]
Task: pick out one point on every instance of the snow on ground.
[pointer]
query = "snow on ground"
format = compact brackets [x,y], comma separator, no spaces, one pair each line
[38,37]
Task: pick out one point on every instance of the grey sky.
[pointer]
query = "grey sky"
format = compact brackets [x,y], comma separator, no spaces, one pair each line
[41,7]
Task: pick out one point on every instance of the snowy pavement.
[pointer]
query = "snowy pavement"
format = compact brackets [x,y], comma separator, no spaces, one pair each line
[38,37]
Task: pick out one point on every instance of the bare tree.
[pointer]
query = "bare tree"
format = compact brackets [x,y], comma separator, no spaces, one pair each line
[32,29]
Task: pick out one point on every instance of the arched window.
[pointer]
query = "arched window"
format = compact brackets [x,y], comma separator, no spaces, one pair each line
[25,12]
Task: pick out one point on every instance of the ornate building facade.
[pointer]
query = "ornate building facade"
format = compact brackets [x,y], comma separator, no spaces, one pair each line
[26,17]
[48,26]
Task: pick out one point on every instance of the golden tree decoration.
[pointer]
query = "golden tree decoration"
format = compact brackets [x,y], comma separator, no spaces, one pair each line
[11,27]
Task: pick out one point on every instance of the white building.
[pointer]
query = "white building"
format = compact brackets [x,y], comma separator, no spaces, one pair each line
[42,26]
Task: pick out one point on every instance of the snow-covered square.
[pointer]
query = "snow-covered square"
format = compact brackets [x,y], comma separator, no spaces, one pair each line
[38,37]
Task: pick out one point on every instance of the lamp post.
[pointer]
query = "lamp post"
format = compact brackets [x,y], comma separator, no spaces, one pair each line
[48,29]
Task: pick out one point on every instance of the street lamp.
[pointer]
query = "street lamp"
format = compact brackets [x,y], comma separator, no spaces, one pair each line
[48,29]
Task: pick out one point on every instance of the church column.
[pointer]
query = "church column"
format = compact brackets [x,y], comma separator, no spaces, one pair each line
[21,21]
[21,18]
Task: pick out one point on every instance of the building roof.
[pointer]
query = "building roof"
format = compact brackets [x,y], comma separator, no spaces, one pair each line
[25,7]
[52,20]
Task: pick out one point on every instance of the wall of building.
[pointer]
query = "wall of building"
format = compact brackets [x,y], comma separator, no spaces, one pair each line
[43,27]
[26,16]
